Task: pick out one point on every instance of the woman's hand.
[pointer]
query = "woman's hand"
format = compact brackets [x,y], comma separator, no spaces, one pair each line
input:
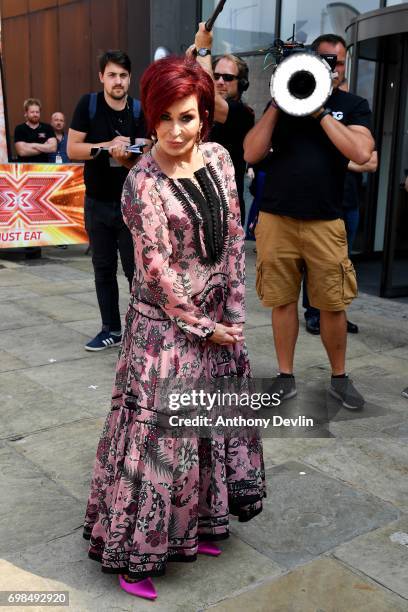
[226,334]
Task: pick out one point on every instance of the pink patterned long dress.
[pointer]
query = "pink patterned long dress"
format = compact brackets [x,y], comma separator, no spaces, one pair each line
[153,497]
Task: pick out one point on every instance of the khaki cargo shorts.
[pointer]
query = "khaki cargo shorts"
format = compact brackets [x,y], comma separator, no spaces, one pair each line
[287,248]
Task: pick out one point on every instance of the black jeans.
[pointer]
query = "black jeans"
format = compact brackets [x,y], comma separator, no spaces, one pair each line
[107,233]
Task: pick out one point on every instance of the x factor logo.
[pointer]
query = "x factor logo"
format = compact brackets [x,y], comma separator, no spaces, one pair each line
[25,197]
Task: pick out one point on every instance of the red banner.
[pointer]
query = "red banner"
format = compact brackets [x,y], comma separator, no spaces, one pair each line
[41,205]
[3,132]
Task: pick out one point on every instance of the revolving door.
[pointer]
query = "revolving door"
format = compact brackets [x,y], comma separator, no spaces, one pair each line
[378,45]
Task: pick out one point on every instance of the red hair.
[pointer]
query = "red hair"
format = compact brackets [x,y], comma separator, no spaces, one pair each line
[170,79]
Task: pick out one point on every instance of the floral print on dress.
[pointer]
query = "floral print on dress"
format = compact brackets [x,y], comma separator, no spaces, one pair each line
[153,497]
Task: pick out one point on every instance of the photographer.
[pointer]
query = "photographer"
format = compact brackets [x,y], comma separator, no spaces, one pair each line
[300,226]
[110,119]
[233,118]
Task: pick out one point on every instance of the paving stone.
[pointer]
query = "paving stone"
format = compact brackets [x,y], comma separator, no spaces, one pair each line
[85,297]
[398,431]
[16,277]
[378,466]
[383,335]
[400,352]
[34,509]
[391,424]
[373,306]
[37,346]
[186,586]
[385,368]
[308,514]
[14,578]
[85,382]
[380,557]
[309,352]
[256,316]
[321,586]
[278,451]
[28,406]
[9,294]
[16,316]
[88,328]
[65,453]
[46,287]
[53,271]
[61,308]
[9,362]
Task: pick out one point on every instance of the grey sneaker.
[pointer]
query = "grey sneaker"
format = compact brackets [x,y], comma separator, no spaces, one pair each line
[344,390]
[284,387]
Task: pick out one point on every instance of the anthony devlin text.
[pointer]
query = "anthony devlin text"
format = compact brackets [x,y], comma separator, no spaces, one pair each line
[239,421]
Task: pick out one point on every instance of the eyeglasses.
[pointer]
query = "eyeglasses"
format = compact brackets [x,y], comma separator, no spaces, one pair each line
[225,77]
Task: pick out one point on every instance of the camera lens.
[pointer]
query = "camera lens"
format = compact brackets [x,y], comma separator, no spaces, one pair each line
[302,84]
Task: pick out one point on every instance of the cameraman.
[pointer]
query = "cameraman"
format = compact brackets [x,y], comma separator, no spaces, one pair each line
[300,226]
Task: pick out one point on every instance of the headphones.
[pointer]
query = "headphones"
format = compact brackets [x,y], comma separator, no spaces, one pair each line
[243,82]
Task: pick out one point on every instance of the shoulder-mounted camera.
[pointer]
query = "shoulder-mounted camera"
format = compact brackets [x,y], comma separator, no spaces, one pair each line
[302,79]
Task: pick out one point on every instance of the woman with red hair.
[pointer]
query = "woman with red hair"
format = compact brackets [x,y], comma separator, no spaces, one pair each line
[160,498]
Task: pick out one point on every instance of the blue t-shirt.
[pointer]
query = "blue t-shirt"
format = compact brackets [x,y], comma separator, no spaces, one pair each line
[61,150]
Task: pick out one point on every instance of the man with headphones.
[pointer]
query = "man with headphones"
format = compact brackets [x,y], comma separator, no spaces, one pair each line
[233,118]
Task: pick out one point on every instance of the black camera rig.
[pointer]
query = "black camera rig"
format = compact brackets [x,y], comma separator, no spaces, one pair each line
[280,50]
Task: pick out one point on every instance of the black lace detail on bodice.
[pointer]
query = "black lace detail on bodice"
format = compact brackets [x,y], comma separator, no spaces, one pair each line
[213,208]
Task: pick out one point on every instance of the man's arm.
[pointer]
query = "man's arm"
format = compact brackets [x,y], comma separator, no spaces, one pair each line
[257,142]
[47,147]
[79,150]
[355,142]
[26,149]
[126,159]
[203,39]
[370,166]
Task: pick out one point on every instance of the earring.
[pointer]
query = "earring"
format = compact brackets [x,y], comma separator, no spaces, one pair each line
[154,137]
[198,139]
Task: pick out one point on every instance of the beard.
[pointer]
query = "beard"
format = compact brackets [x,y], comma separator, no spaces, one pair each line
[118,94]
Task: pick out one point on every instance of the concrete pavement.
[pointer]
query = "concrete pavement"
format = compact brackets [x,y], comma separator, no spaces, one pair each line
[331,537]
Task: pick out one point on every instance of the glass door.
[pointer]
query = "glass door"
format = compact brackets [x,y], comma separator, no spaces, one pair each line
[394,280]
[365,84]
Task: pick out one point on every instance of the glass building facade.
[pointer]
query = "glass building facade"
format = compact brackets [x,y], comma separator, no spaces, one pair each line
[377,70]
[245,26]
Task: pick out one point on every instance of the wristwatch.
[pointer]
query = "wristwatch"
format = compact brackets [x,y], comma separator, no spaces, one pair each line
[202,52]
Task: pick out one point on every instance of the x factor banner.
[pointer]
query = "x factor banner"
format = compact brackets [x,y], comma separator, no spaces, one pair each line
[41,205]
[3,134]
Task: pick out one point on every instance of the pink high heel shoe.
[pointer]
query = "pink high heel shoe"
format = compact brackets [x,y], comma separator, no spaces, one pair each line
[143,588]
[208,548]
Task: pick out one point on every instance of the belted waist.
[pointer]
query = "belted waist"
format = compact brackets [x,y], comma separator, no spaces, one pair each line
[148,310]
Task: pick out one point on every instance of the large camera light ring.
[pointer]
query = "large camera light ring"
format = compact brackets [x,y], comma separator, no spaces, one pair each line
[288,69]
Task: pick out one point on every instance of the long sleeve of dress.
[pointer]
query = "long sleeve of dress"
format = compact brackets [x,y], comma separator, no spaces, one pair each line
[235,309]
[165,287]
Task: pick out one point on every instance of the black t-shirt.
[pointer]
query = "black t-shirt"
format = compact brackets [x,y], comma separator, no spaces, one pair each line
[231,134]
[104,181]
[352,187]
[306,173]
[40,134]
